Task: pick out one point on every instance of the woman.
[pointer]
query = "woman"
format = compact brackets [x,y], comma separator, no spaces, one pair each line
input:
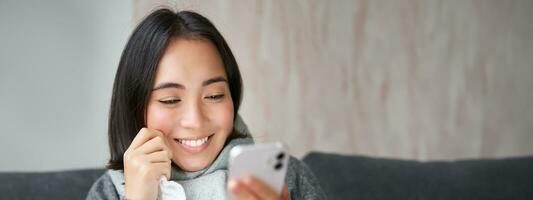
[174,115]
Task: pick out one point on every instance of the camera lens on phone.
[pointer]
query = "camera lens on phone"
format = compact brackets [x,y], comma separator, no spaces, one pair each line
[281,156]
[278,166]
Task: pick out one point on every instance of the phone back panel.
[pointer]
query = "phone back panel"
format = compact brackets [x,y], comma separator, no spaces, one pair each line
[267,162]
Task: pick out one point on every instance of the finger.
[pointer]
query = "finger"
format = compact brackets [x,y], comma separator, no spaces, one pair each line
[285,193]
[162,135]
[142,136]
[262,190]
[158,156]
[160,169]
[240,191]
[155,144]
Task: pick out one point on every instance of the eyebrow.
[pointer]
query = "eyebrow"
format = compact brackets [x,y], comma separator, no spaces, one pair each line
[180,86]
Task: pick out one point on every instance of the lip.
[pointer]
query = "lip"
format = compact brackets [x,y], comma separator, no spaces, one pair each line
[197,149]
[195,138]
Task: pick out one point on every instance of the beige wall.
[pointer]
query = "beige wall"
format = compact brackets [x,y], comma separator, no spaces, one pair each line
[405,79]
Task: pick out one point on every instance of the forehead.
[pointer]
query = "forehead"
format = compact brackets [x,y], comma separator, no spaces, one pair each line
[189,61]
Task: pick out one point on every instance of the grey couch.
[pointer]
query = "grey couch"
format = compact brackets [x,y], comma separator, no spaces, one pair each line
[342,177]
[359,177]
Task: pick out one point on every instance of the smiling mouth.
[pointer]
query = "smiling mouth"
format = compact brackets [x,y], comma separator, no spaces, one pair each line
[194,143]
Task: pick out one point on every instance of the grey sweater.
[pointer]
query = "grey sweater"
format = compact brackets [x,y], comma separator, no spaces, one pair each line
[301,182]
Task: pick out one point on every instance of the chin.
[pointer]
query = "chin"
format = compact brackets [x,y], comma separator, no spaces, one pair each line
[192,165]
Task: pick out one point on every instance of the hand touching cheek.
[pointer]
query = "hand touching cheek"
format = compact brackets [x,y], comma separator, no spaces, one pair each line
[145,161]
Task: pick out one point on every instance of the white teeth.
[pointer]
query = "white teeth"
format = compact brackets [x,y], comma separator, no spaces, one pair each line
[193,143]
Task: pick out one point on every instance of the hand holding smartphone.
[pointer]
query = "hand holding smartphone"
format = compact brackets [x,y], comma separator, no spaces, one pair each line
[267,162]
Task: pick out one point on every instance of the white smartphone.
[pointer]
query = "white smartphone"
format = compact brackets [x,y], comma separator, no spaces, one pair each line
[268,162]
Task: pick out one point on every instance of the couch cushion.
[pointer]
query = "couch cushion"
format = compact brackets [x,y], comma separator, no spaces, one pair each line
[359,177]
[72,184]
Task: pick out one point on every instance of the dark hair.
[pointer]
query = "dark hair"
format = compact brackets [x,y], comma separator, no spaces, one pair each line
[137,68]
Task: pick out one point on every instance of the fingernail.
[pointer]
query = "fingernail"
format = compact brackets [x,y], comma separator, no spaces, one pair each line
[232,183]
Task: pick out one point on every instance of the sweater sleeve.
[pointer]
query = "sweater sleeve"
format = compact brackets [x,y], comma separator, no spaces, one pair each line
[103,189]
[301,181]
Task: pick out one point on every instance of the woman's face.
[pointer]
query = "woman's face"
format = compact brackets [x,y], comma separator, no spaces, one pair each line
[191,103]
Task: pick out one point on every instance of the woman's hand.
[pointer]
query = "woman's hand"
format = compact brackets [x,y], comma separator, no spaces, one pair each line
[253,188]
[145,161]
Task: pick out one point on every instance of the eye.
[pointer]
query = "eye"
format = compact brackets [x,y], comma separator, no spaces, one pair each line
[215,97]
[170,101]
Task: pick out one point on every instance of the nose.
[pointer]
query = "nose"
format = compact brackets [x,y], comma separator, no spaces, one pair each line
[192,116]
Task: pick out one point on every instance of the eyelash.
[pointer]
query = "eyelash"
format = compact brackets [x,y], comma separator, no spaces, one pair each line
[172,101]
[211,97]
[215,97]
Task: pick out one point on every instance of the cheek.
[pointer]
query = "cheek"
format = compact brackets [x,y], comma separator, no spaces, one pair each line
[223,116]
[158,118]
